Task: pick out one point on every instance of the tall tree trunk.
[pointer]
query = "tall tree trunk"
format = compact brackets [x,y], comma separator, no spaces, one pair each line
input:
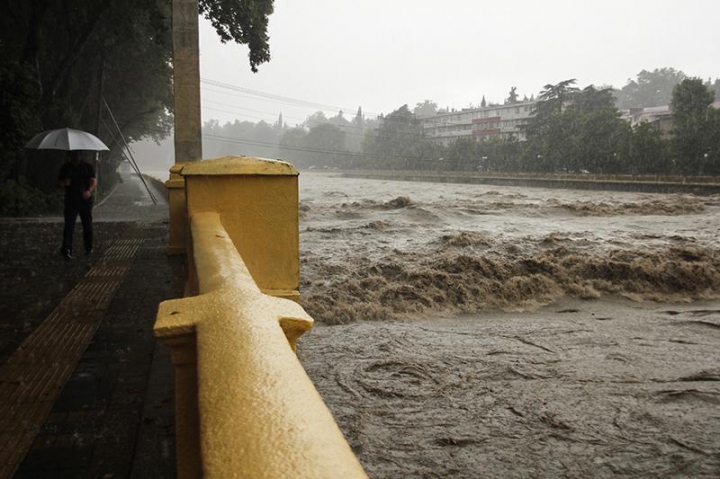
[75,53]
[31,48]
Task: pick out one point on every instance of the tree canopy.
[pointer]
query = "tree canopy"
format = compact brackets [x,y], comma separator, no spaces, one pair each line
[574,130]
[512,96]
[426,108]
[58,57]
[649,88]
[243,21]
[696,127]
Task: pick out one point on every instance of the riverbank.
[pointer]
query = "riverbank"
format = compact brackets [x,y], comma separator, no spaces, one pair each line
[645,184]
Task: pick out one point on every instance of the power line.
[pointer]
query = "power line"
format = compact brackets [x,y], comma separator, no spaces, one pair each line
[351,133]
[282,99]
[265,96]
[358,155]
[273,96]
[346,129]
[296,101]
[250,109]
[256,98]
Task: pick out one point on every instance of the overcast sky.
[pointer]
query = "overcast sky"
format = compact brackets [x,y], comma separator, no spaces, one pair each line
[381,54]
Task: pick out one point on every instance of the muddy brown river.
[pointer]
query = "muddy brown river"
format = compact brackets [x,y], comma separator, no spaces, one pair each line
[482,331]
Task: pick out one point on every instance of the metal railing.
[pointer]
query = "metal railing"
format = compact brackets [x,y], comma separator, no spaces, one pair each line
[245,406]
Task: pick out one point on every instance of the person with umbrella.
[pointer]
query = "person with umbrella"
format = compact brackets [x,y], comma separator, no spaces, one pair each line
[77,177]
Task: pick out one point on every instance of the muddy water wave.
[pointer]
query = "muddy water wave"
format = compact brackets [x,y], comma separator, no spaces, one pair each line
[381,249]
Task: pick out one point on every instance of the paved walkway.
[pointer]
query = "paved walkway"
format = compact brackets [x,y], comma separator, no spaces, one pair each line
[89,393]
[130,201]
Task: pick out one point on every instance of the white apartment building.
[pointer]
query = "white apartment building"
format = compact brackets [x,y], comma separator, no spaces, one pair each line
[499,121]
[659,117]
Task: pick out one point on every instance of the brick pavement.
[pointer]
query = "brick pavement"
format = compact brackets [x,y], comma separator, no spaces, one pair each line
[101,404]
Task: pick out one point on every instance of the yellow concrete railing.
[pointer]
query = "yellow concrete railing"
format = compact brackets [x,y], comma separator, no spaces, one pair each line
[245,406]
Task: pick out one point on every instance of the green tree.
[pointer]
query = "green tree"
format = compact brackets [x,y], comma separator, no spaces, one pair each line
[713,143]
[292,148]
[426,108]
[397,139]
[244,22]
[325,143]
[339,120]
[650,88]
[356,132]
[693,125]
[600,137]
[240,138]
[553,97]
[359,120]
[512,96]
[573,130]
[317,118]
[55,59]
[463,154]
[649,150]
[549,131]
[57,55]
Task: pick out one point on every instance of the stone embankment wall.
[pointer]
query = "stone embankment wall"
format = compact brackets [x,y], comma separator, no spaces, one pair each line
[647,184]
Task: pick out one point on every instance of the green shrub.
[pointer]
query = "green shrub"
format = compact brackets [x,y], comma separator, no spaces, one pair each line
[17,199]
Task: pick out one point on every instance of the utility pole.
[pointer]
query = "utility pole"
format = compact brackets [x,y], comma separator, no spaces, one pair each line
[188,125]
[186,81]
[98,115]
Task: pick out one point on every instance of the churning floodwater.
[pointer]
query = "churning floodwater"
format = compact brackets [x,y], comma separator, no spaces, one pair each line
[377,249]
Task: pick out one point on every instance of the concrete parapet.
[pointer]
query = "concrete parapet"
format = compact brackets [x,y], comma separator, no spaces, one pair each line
[253,407]
[257,200]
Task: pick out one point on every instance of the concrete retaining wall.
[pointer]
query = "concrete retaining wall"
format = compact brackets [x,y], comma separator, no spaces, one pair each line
[699,186]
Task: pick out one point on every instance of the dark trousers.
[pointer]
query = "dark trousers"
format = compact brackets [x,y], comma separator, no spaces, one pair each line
[72,210]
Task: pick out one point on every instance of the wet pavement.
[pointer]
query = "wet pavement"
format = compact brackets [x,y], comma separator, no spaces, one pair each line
[85,390]
[130,201]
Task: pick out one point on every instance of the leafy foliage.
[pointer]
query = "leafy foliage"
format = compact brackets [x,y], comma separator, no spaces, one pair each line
[695,127]
[512,96]
[242,21]
[20,199]
[398,142]
[59,56]
[650,88]
[240,138]
[426,108]
[326,143]
[649,152]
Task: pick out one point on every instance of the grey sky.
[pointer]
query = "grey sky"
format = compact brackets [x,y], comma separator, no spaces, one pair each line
[380,54]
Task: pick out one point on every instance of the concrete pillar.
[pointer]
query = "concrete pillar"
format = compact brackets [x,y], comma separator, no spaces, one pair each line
[187,417]
[257,200]
[177,229]
[188,121]
[186,81]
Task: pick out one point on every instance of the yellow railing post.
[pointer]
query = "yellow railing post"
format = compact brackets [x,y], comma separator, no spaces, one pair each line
[245,406]
[177,231]
[187,422]
[257,200]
